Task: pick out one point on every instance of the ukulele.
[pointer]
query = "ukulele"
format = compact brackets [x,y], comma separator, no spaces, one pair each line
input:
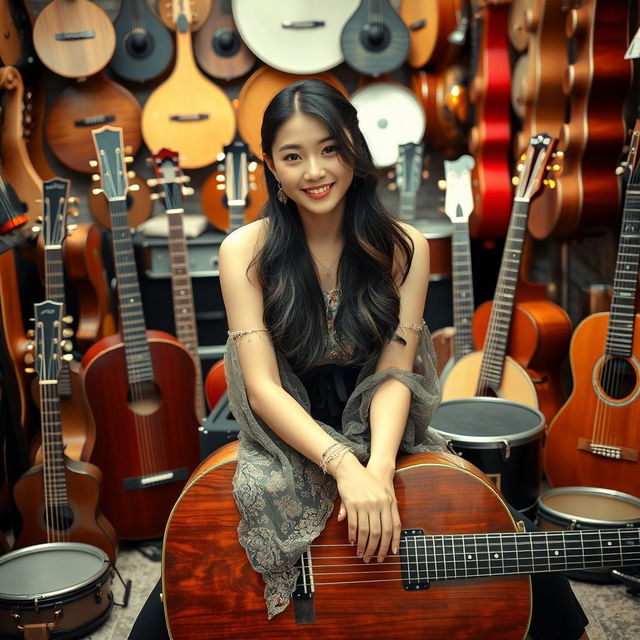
[455,342]
[491,372]
[218,48]
[375,40]
[170,180]
[139,384]
[74,38]
[187,108]
[58,500]
[83,106]
[594,440]
[144,48]
[294,37]
[234,195]
[461,570]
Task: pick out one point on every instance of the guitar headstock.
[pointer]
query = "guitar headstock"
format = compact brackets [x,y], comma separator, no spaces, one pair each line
[236,173]
[409,167]
[169,179]
[55,195]
[48,342]
[458,201]
[535,166]
[111,162]
[629,167]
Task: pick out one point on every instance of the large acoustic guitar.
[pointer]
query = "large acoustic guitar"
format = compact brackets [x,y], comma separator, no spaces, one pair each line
[170,182]
[144,48]
[74,38]
[461,571]
[594,439]
[140,386]
[59,499]
[534,332]
[188,112]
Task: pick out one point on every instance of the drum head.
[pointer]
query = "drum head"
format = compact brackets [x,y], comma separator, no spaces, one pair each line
[389,115]
[49,570]
[482,422]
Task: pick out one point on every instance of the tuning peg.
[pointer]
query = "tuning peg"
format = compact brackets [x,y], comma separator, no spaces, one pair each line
[97,192]
[66,345]
[523,157]
[152,182]
[520,167]
[620,170]
[128,148]
[425,175]
[392,186]
[220,157]
[67,357]
[29,346]
[551,183]
[131,175]
[74,212]
[68,319]
[559,155]
[29,358]
[95,177]
[31,333]
[442,185]
[155,196]
[252,166]
[134,187]
[390,175]
[72,227]
[67,333]
[38,200]
[73,200]
[128,159]
[515,181]
[184,179]
[35,228]
[188,191]
[221,177]
[220,187]
[29,370]
[93,163]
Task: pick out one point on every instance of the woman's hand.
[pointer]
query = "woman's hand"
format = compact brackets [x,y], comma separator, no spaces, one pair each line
[369,503]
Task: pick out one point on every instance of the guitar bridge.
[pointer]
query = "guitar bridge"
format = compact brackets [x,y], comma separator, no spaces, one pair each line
[607,450]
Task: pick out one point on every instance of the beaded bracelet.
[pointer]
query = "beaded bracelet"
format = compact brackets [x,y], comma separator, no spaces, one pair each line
[237,335]
[329,454]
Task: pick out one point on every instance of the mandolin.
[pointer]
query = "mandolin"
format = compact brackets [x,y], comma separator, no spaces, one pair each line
[534,332]
[375,40]
[139,384]
[594,439]
[187,108]
[461,570]
[234,194]
[170,182]
[83,106]
[218,47]
[58,500]
[144,48]
[457,341]
[74,38]
[275,30]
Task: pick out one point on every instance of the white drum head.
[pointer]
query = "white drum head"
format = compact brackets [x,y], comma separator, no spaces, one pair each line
[389,115]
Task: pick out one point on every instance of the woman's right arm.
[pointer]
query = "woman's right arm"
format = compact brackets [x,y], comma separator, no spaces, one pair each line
[364,495]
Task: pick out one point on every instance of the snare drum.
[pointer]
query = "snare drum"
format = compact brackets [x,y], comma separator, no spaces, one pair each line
[588,508]
[68,583]
[502,438]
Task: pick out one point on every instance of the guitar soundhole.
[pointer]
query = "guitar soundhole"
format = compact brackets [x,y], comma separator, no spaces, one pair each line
[144,398]
[375,37]
[139,43]
[226,43]
[60,518]
[617,378]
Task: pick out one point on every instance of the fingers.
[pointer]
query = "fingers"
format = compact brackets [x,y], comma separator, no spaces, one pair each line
[375,529]
[352,516]
[342,512]
[386,521]
[397,526]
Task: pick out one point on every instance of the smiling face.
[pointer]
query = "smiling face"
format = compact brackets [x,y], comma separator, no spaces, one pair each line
[305,161]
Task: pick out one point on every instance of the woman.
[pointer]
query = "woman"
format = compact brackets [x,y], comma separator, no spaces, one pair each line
[324,298]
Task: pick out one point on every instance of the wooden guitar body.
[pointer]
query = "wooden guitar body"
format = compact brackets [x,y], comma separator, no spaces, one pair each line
[538,342]
[142,433]
[74,38]
[10,42]
[83,106]
[218,47]
[211,591]
[81,521]
[591,414]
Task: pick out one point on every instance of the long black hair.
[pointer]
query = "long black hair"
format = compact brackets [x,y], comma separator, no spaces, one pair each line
[294,310]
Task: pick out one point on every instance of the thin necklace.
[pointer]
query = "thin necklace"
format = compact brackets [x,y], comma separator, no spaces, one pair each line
[327,270]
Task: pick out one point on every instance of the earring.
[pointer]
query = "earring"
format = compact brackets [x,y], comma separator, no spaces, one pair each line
[281,195]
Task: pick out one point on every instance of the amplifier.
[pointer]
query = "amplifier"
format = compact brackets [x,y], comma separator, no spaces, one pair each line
[218,428]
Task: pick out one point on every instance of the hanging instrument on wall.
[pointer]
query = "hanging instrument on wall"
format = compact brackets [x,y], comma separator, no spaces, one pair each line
[408,178]
[187,112]
[139,384]
[59,499]
[74,38]
[198,11]
[594,439]
[144,48]
[274,30]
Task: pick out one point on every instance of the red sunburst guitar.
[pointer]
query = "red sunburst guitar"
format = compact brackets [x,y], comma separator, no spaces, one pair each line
[594,440]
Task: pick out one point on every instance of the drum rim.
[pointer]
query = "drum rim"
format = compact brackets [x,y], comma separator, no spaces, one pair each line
[59,593]
[489,442]
[600,491]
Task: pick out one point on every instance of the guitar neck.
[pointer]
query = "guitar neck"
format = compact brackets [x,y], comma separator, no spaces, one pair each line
[55,484]
[183,308]
[493,554]
[495,346]
[625,282]
[236,215]
[134,330]
[462,290]
[408,205]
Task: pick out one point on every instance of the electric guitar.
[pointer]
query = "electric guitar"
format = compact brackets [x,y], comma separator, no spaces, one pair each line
[594,439]
[59,499]
[139,384]
[459,556]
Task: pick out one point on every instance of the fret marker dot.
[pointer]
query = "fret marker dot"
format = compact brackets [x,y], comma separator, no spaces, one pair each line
[469,557]
[131,299]
[556,553]
[608,544]
[495,555]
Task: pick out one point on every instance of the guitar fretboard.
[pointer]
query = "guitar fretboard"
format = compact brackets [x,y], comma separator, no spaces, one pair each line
[55,484]
[625,282]
[408,205]
[462,290]
[448,557]
[495,346]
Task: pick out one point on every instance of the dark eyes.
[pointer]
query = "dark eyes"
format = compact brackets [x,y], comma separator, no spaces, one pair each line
[329,149]
[291,156]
